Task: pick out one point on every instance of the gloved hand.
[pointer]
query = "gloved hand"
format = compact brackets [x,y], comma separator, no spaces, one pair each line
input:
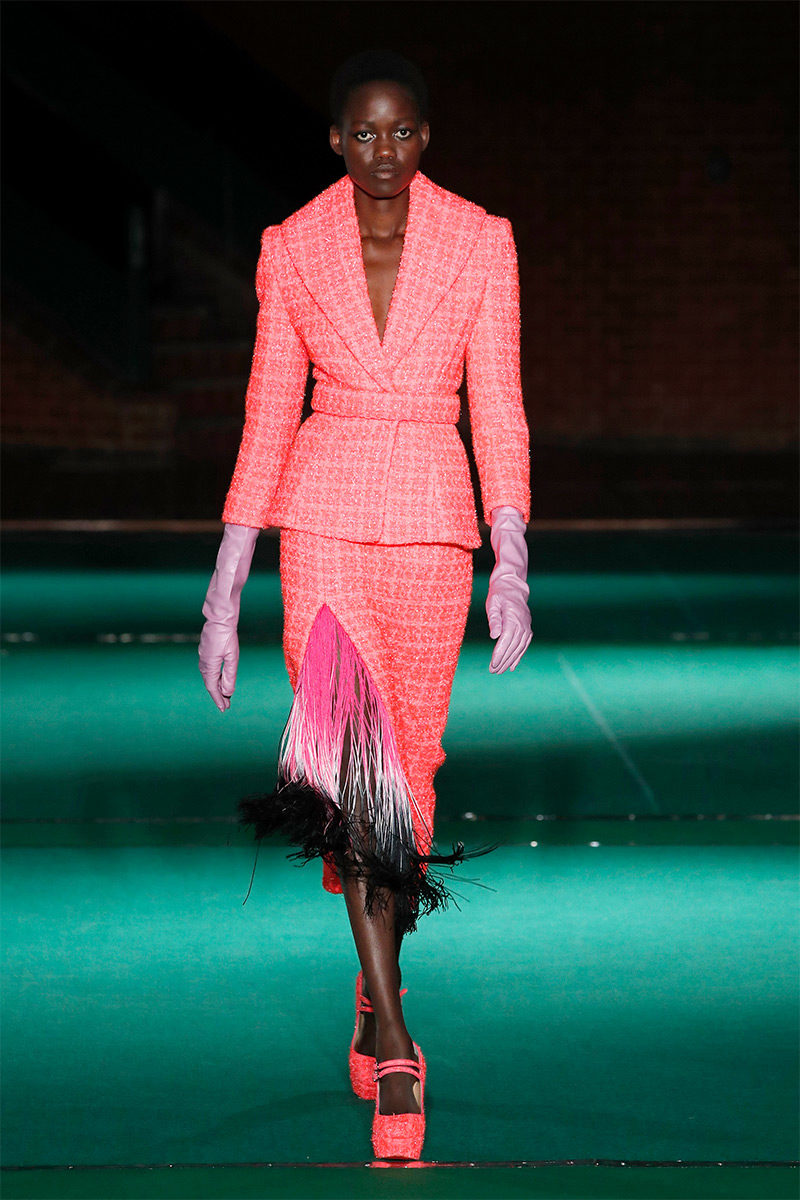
[219,640]
[507,601]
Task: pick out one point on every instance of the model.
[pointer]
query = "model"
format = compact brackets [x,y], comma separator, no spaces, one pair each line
[390,286]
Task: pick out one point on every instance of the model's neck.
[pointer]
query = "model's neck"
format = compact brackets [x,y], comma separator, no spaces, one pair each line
[380,217]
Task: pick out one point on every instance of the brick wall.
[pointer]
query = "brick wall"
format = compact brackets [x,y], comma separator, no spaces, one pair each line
[659,299]
[646,155]
[658,302]
[47,404]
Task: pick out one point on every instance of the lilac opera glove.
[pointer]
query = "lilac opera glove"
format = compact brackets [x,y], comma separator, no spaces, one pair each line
[219,640]
[507,601]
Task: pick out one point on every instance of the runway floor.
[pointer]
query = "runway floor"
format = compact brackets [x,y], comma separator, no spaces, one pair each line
[610,1011]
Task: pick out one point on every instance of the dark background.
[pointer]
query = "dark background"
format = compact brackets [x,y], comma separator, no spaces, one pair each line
[646,154]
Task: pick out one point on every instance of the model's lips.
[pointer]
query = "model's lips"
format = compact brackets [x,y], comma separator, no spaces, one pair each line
[386,171]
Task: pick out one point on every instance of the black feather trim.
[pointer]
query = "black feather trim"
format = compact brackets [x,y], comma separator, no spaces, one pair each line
[311,821]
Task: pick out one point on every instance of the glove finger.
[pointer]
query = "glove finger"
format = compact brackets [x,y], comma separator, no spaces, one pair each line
[210,669]
[502,647]
[503,663]
[221,701]
[526,642]
[230,668]
[520,645]
[495,614]
[512,646]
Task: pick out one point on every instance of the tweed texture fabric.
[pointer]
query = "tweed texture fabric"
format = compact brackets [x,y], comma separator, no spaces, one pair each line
[380,459]
[405,609]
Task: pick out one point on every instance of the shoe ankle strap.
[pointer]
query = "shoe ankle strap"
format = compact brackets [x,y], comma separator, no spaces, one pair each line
[366,1006]
[407,1066]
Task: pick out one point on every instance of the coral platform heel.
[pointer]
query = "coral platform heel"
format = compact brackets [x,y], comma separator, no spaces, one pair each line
[362,1066]
[400,1135]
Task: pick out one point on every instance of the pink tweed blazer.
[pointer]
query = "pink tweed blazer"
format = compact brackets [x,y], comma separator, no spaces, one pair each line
[380,460]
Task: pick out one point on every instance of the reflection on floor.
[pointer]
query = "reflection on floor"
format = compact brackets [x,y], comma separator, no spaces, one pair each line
[618,984]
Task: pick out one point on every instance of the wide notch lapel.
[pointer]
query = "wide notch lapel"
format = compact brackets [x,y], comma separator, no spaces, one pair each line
[440,234]
[324,243]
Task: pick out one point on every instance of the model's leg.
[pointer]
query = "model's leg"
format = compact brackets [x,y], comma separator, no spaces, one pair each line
[365,1037]
[404,609]
[439,580]
[377,951]
[377,937]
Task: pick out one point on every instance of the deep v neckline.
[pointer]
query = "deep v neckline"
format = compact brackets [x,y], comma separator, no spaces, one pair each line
[401,267]
[324,244]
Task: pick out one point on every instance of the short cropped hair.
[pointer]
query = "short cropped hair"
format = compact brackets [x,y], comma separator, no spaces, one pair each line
[369,66]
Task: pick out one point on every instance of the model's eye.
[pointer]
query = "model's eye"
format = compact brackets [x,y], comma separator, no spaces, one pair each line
[404,133]
[363,135]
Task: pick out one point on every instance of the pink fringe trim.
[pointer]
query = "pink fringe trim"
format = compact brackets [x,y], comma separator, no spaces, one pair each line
[336,697]
[341,792]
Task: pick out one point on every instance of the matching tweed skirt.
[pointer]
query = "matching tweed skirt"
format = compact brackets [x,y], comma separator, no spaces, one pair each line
[371,640]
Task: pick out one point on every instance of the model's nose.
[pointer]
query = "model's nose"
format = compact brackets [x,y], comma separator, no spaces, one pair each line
[384,150]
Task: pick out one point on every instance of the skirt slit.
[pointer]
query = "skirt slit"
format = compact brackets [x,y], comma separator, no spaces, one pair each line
[343,793]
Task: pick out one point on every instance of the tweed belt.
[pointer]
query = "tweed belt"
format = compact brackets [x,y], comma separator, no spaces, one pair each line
[437,408]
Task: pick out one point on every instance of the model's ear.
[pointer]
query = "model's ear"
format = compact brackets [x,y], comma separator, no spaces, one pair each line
[335,139]
[424,134]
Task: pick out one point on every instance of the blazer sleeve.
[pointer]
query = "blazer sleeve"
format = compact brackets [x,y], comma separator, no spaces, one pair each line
[273,402]
[497,416]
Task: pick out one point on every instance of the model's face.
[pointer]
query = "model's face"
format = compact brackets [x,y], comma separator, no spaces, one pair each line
[381,138]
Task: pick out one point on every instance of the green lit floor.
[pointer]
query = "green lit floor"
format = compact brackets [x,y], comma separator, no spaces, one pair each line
[622,987]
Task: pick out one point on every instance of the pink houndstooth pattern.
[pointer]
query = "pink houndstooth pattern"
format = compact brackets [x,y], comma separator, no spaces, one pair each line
[380,459]
[405,609]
